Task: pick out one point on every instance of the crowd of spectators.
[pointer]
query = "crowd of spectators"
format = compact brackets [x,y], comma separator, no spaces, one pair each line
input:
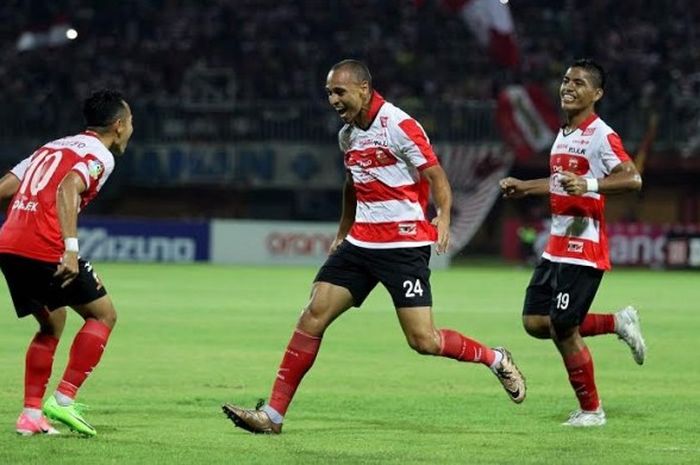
[227,68]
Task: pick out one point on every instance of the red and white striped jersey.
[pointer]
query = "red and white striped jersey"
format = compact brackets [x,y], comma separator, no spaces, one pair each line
[385,163]
[577,233]
[31,228]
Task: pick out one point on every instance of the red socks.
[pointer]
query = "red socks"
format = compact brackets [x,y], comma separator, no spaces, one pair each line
[459,347]
[597,323]
[38,364]
[85,354]
[299,357]
[580,368]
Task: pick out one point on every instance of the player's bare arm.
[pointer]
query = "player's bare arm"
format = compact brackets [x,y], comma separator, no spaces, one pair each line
[8,185]
[347,217]
[514,188]
[442,196]
[623,178]
[67,202]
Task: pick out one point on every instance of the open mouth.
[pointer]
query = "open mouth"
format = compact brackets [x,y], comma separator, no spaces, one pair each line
[567,98]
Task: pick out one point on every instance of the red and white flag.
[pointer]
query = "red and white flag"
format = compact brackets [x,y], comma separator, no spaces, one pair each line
[527,118]
[492,24]
[473,172]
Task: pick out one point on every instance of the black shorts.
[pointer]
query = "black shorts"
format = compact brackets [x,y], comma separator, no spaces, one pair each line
[33,286]
[404,272]
[562,291]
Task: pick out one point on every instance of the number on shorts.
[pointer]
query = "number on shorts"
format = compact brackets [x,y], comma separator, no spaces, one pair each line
[563,300]
[413,288]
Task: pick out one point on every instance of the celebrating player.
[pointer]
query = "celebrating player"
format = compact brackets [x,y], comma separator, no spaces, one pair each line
[383,237]
[587,161]
[39,256]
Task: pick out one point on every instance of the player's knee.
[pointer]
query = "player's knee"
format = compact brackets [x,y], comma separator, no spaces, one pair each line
[424,343]
[562,329]
[537,327]
[312,320]
[109,318]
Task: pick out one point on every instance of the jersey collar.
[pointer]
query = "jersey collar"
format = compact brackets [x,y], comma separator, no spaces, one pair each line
[88,132]
[375,104]
[582,127]
[587,122]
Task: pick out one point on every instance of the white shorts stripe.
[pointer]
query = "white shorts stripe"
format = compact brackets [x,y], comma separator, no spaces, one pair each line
[386,245]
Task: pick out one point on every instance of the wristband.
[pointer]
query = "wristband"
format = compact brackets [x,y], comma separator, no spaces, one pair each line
[71,244]
[591,185]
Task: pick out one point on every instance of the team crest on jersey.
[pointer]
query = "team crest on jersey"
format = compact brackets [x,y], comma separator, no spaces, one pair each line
[575,247]
[588,132]
[383,120]
[407,229]
[95,168]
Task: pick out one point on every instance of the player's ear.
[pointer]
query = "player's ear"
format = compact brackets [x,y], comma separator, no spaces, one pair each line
[364,85]
[598,94]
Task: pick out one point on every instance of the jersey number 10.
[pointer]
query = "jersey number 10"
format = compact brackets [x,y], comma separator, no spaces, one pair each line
[39,172]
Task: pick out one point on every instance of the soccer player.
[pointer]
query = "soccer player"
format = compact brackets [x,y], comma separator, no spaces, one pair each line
[383,237]
[587,161]
[39,256]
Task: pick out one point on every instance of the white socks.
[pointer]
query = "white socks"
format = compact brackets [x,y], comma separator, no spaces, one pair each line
[497,359]
[62,399]
[274,415]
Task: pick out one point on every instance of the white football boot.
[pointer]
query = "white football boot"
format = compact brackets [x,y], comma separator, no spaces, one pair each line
[584,418]
[628,328]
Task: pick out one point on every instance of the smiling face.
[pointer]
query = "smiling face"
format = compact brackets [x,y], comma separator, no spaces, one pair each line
[346,94]
[578,91]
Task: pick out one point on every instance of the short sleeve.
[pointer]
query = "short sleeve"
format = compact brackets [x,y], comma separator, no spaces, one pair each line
[20,168]
[91,169]
[415,145]
[613,152]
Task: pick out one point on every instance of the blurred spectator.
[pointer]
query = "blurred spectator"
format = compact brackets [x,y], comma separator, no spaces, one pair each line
[208,69]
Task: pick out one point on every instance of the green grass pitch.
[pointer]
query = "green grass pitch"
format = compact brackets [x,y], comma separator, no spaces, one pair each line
[191,337]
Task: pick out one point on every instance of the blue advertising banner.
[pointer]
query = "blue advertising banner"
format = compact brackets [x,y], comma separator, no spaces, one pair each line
[253,165]
[143,240]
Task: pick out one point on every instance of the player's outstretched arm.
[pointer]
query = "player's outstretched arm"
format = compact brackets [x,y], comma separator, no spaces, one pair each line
[8,185]
[514,188]
[67,202]
[442,196]
[347,217]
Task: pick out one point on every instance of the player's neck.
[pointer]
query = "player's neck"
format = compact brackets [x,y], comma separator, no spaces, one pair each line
[106,139]
[574,120]
[362,120]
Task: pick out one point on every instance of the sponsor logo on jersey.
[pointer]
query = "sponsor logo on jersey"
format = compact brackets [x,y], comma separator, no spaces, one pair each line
[373,142]
[575,247]
[407,229]
[577,150]
[95,168]
[21,205]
